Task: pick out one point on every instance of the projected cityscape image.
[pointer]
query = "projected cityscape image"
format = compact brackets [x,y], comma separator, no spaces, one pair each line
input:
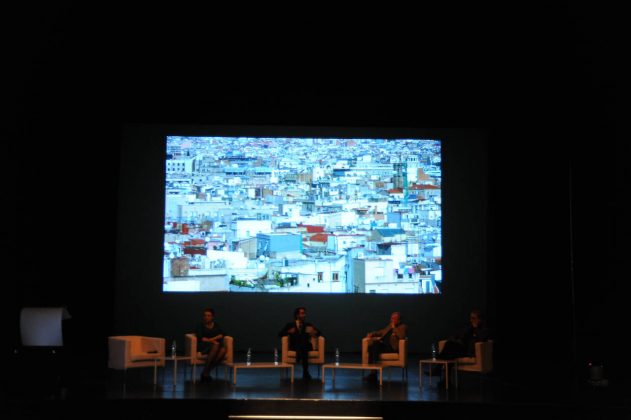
[302,215]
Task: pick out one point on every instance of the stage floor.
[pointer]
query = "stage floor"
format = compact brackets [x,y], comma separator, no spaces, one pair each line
[272,384]
[267,392]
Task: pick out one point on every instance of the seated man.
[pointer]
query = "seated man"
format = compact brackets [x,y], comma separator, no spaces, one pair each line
[386,340]
[210,342]
[300,333]
[462,344]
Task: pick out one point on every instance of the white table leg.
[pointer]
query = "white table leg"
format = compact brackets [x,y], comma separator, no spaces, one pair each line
[174,372]
[155,372]
[380,376]
[456,372]
[234,375]
[446,376]
[323,373]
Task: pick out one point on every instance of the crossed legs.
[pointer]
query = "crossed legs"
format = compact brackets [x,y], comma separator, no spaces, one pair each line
[215,355]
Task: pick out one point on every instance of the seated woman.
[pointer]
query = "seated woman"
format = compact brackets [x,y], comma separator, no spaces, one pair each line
[210,342]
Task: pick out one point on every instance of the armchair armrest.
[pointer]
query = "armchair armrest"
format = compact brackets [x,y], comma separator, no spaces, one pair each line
[321,350]
[403,351]
[365,343]
[484,356]
[441,345]
[190,345]
[228,342]
[119,352]
[153,345]
[284,348]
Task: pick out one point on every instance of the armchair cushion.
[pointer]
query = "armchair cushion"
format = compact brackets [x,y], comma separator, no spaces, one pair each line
[315,342]
[389,356]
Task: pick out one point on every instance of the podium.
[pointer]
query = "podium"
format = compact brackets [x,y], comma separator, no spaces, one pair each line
[42,327]
[40,361]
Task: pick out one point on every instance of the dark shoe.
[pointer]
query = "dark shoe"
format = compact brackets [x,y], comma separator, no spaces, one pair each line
[205,378]
[306,376]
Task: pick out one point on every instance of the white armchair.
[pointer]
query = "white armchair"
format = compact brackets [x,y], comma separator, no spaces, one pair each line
[316,356]
[132,351]
[399,359]
[197,358]
[482,362]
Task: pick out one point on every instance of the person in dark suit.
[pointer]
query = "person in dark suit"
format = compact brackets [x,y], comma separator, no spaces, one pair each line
[462,344]
[300,333]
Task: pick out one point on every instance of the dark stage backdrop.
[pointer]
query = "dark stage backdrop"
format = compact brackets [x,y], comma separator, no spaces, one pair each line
[254,318]
[548,98]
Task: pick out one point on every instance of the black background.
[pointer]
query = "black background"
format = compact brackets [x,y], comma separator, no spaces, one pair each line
[542,81]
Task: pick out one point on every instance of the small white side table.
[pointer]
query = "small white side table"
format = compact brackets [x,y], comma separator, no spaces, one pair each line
[168,359]
[444,362]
